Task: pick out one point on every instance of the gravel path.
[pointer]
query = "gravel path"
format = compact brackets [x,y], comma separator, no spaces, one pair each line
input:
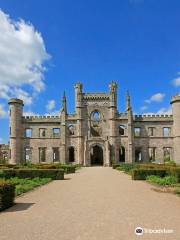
[96,203]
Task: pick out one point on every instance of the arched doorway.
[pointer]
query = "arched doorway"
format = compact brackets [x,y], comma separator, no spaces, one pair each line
[122,154]
[71,154]
[96,156]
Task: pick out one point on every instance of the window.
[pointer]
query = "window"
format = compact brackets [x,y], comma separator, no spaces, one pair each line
[138,155]
[56,132]
[167,154]
[28,132]
[42,154]
[122,154]
[152,154]
[166,131]
[28,154]
[71,129]
[42,132]
[121,129]
[151,131]
[137,132]
[96,116]
[55,154]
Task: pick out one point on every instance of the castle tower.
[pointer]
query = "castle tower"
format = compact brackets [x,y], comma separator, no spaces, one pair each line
[63,129]
[175,101]
[79,112]
[131,152]
[16,130]
[112,120]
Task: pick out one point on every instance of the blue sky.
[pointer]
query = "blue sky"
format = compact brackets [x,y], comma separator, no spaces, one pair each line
[57,43]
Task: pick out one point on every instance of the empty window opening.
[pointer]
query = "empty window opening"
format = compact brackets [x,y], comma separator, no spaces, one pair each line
[56,154]
[28,132]
[138,155]
[152,154]
[42,132]
[137,132]
[56,132]
[166,131]
[121,129]
[42,154]
[122,154]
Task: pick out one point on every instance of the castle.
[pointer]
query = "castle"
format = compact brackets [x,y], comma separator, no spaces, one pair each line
[96,134]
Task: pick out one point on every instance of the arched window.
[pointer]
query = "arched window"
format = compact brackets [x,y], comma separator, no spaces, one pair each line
[122,154]
[95,116]
[121,129]
[71,154]
[71,129]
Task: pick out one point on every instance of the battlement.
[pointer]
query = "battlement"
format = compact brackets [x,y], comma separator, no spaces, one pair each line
[95,96]
[153,117]
[40,117]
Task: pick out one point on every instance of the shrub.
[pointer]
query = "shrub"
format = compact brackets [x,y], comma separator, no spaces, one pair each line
[25,185]
[141,174]
[174,171]
[55,174]
[127,168]
[168,180]
[7,194]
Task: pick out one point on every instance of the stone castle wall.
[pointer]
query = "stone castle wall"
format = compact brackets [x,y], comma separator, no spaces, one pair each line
[82,132]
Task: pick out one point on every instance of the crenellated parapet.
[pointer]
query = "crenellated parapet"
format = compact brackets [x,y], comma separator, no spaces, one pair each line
[153,117]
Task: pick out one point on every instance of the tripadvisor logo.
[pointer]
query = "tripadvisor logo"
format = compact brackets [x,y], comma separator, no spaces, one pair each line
[139,231]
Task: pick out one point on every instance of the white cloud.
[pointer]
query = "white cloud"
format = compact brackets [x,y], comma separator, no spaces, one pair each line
[161,111]
[143,108]
[3,112]
[176,82]
[158,97]
[22,55]
[50,105]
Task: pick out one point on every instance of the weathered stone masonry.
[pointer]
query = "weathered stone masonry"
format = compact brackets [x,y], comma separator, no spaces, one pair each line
[95,134]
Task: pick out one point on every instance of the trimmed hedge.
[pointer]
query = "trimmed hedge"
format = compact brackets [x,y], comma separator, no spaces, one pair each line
[55,174]
[141,174]
[174,172]
[66,167]
[7,195]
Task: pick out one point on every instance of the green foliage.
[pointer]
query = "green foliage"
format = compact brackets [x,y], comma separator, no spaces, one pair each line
[7,194]
[127,168]
[142,173]
[174,171]
[55,174]
[25,185]
[68,168]
[165,181]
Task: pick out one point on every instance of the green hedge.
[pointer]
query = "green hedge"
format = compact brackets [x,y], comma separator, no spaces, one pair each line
[174,172]
[141,174]
[7,194]
[55,174]
[66,167]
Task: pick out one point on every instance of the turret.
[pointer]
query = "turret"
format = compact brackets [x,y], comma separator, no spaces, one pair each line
[113,94]
[175,101]
[79,113]
[131,153]
[78,94]
[16,130]
[112,121]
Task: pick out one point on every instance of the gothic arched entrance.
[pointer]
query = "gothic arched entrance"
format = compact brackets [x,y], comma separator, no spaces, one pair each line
[96,156]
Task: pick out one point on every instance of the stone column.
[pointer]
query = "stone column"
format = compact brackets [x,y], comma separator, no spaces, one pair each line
[16,131]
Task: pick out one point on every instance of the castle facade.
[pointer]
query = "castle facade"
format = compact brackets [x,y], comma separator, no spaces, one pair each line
[96,134]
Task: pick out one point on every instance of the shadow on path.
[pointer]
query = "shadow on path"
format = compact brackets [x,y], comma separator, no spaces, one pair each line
[19,207]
